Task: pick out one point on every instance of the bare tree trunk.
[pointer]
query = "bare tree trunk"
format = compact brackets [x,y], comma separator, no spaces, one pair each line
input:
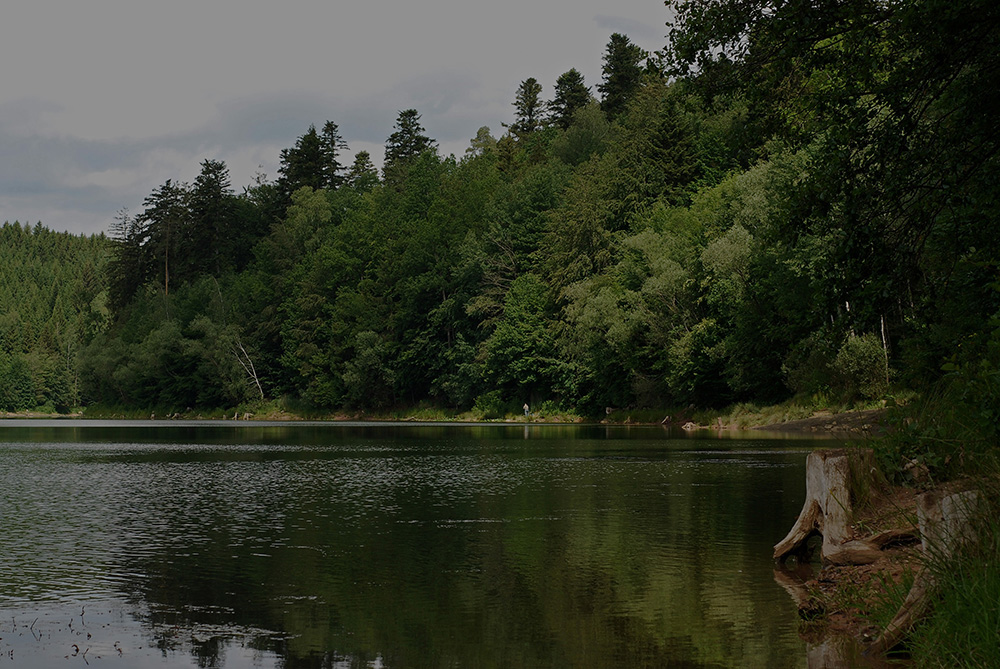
[944,526]
[248,366]
[828,511]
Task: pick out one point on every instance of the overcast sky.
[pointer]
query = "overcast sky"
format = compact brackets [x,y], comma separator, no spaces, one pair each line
[103,100]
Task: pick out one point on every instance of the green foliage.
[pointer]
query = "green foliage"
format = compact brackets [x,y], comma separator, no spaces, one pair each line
[492,405]
[529,108]
[314,161]
[362,176]
[961,630]
[861,368]
[405,143]
[368,377]
[16,383]
[808,365]
[521,356]
[696,361]
[587,134]
[622,74]
[953,429]
[571,96]
[52,301]
[174,352]
[806,172]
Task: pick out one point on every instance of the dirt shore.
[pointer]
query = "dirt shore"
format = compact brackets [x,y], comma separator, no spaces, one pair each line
[856,423]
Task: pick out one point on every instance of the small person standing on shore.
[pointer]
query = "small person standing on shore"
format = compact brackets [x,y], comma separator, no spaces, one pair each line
[525,409]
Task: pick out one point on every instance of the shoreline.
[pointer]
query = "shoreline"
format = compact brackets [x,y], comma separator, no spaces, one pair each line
[850,423]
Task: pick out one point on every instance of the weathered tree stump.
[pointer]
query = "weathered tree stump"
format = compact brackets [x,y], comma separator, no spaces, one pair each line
[944,525]
[828,510]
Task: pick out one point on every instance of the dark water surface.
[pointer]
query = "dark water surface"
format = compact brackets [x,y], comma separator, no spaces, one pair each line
[152,544]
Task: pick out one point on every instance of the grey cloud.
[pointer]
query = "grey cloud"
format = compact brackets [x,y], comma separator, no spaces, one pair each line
[650,37]
[100,116]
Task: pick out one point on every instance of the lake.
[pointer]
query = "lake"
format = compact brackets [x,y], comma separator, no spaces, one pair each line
[224,544]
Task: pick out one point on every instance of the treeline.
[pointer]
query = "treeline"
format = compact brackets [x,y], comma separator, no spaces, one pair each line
[789,199]
[52,302]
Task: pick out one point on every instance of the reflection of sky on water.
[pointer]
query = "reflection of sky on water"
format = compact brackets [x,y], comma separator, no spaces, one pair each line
[112,633]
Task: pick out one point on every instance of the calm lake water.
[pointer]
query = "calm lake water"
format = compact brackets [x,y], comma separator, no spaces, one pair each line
[213,544]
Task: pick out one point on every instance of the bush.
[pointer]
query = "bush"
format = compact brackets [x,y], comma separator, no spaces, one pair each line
[860,368]
[954,430]
[808,365]
[491,405]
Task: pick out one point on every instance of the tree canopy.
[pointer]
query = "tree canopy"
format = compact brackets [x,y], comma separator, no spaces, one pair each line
[789,199]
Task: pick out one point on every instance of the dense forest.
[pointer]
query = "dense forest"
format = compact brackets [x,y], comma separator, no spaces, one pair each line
[790,198]
[52,301]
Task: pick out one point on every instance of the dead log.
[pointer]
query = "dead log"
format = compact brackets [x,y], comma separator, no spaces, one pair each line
[943,518]
[828,510]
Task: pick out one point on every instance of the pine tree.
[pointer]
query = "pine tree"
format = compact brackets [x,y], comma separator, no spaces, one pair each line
[622,74]
[529,108]
[405,144]
[571,95]
[331,145]
[363,176]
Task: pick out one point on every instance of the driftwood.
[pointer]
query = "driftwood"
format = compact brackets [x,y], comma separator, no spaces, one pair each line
[944,526]
[828,510]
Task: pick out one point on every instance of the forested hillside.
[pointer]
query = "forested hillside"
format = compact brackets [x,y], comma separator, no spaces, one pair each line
[788,199]
[52,301]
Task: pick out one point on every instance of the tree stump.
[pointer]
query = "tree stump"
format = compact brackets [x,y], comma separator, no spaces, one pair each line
[944,525]
[828,510]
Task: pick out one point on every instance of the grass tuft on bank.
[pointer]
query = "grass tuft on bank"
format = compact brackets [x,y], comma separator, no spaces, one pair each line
[963,629]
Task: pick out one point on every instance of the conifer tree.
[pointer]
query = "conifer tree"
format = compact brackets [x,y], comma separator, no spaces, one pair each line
[164,220]
[127,269]
[314,161]
[529,108]
[405,143]
[209,235]
[571,95]
[331,146]
[363,176]
[622,74]
[302,164]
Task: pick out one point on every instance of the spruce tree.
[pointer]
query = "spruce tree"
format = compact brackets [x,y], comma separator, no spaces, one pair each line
[529,108]
[571,95]
[165,218]
[363,175]
[622,75]
[209,234]
[302,165]
[331,145]
[405,143]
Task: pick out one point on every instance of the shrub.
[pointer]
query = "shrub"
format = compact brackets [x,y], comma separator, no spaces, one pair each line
[860,368]
[490,405]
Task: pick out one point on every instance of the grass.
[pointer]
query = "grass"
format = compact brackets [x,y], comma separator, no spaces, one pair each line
[876,599]
[747,414]
[963,629]
[741,416]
